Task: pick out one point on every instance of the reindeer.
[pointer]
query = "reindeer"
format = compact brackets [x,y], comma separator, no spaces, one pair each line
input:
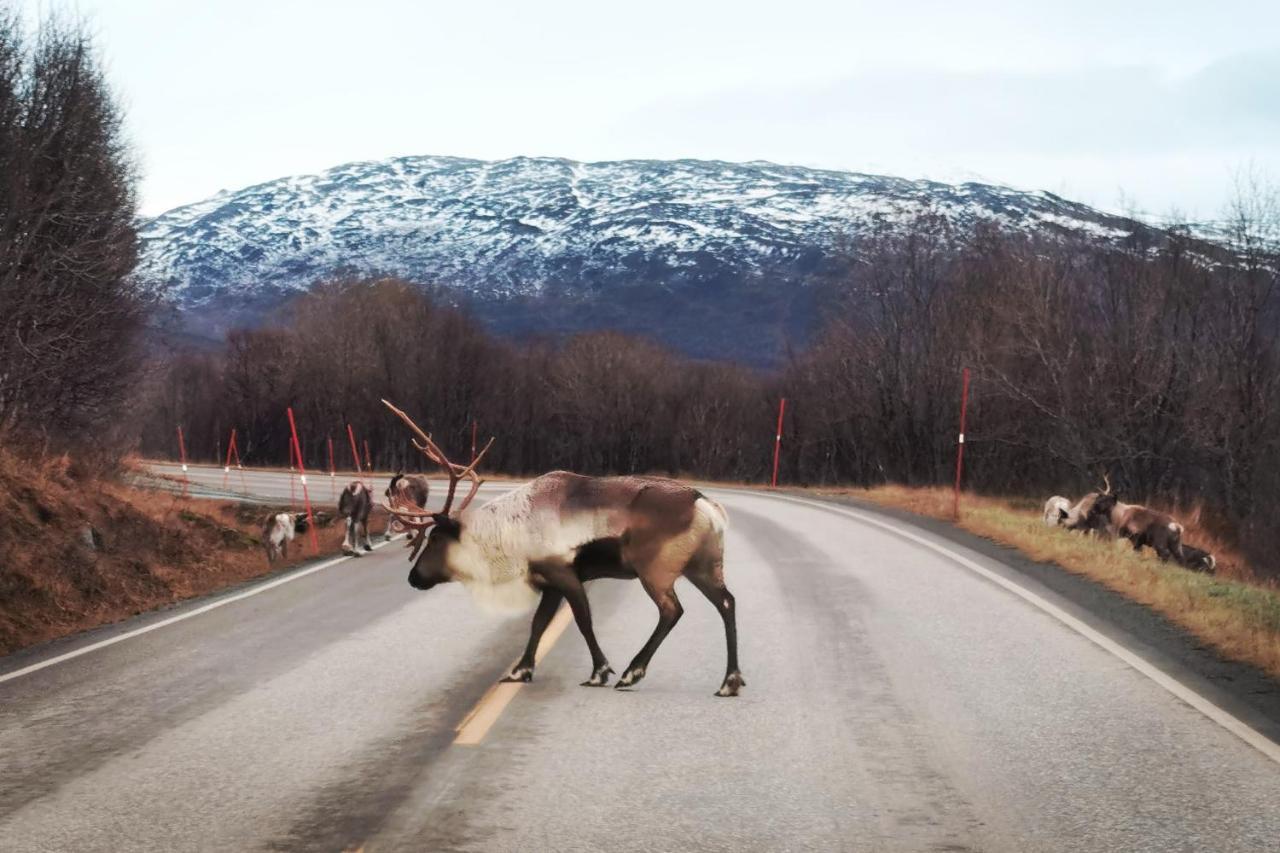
[1082,517]
[1056,511]
[561,530]
[278,531]
[405,491]
[1197,559]
[354,504]
[1141,526]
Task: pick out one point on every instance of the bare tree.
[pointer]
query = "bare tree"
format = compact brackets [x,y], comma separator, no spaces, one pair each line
[70,312]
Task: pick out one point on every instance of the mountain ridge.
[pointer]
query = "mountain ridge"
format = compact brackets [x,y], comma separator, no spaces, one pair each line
[552,245]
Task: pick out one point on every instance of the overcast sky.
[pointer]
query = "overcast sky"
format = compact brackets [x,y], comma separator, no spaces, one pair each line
[1153,106]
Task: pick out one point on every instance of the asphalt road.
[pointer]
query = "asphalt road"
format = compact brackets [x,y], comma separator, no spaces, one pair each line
[896,699]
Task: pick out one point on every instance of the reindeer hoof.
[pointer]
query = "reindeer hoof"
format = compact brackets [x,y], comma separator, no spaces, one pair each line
[630,677]
[600,677]
[522,674]
[732,683]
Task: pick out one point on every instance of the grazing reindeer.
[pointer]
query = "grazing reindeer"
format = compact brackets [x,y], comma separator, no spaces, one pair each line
[1141,526]
[1082,517]
[561,530]
[1056,511]
[278,531]
[1197,559]
[354,504]
[407,492]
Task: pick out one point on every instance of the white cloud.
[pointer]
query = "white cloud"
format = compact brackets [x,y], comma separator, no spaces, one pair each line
[1159,97]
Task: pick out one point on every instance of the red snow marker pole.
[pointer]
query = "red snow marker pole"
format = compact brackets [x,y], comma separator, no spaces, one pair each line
[964,409]
[368,462]
[293,495]
[182,452]
[239,467]
[226,466]
[777,442]
[473,439]
[311,523]
[355,454]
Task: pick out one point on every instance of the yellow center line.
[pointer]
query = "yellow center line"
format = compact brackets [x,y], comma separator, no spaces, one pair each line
[476,725]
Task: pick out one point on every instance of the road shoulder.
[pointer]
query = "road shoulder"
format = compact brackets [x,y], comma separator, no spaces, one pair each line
[1238,688]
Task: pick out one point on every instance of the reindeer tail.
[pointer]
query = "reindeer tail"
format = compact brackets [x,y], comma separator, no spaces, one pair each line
[713,512]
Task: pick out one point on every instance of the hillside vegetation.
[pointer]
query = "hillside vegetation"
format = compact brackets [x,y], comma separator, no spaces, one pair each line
[79,550]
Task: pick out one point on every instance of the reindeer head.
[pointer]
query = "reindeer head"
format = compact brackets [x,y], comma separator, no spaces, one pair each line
[1103,506]
[436,532]
[391,487]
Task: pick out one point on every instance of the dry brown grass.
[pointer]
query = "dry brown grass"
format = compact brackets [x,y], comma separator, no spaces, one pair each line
[1228,610]
[154,548]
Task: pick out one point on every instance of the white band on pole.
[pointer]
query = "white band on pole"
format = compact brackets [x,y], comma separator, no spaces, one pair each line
[184,467]
[962,438]
[303,478]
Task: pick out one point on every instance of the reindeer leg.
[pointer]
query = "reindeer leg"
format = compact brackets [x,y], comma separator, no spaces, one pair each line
[562,578]
[669,613]
[350,542]
[1164,543]
[719,596]
[523,670]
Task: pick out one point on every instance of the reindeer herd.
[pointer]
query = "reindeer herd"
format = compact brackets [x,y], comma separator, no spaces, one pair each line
[354,505]
[1103,514]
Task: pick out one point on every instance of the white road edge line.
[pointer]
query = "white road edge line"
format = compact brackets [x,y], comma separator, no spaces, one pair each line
[213,605]
[1223,718]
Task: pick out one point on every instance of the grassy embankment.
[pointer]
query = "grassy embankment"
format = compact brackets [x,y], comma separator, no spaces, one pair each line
[1229,610]
[78,551]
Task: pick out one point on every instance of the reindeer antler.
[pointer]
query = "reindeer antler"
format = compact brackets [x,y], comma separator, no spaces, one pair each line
[420,519]
[1106,482]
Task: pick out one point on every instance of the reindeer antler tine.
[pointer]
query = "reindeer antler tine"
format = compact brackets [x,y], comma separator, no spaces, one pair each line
[406,513]
[407,420]
[474,462]
[427,451]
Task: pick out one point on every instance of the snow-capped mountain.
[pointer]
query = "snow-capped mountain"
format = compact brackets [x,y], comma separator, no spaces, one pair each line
[711,257]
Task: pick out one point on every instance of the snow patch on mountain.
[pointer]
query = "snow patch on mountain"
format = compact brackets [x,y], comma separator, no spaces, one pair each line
[509,227]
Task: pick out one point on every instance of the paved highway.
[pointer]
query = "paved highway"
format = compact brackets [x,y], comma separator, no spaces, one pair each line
[903,693]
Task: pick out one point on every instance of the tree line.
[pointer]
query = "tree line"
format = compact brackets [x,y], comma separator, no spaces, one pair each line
[1154,359]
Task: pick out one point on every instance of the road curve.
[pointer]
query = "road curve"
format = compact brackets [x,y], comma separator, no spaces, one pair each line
[895,701]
